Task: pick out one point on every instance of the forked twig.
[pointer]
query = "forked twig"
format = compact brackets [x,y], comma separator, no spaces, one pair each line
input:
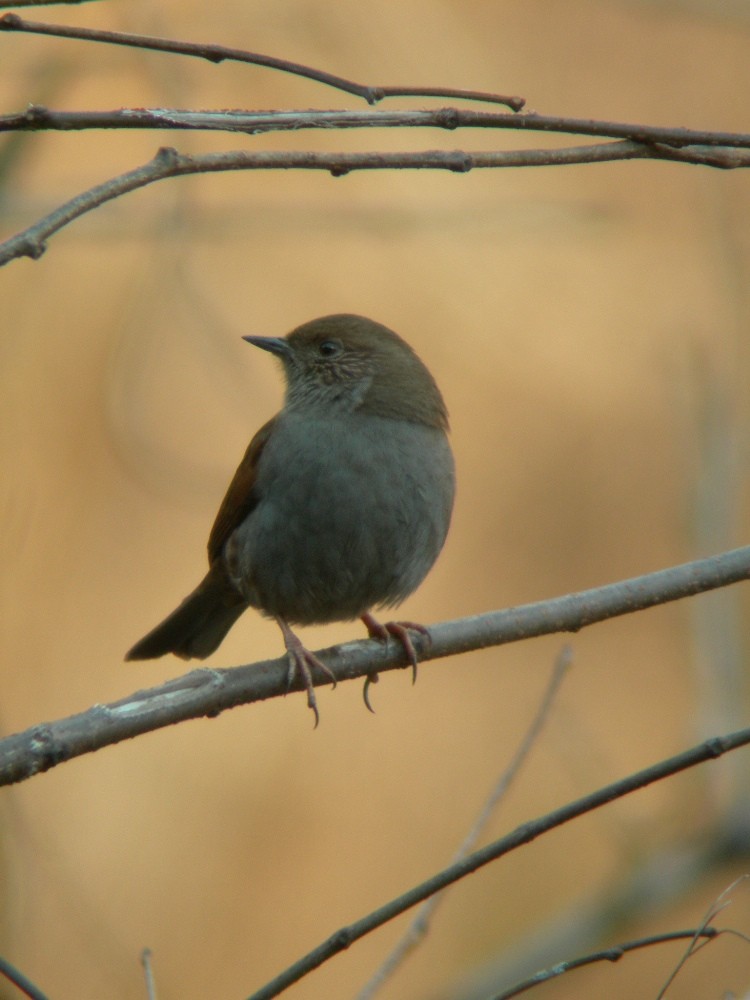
[222,53]
[699,938]
[612,954]
[625,141]
[168,162]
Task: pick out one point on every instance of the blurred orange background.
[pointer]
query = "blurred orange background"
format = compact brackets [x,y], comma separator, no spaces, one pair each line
[589,328]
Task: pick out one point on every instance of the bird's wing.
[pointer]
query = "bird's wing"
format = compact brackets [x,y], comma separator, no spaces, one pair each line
[241,497]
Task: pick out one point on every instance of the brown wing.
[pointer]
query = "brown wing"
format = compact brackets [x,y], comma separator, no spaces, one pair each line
[241,496]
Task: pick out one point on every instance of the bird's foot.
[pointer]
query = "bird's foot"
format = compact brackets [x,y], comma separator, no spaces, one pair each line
[302,662]
[399,631]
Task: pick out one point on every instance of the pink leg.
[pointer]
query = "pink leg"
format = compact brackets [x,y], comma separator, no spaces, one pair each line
[301,660]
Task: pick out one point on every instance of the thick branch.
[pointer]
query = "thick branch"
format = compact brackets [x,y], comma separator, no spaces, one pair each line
[38,118]
[206,692]
[168,162]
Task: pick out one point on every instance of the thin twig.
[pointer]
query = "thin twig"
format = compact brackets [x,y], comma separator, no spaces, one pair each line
[420,924]
[721,902]
[525,834]
[658,881]
[148,972]
[221,53]
[611,954]
[36,3]
[31,242]
[208,692]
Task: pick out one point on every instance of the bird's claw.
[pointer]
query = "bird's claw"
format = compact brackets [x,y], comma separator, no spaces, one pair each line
[301,660]
[399,631]
[370,679]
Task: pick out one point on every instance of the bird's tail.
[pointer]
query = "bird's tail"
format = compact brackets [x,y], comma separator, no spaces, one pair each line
[197,627]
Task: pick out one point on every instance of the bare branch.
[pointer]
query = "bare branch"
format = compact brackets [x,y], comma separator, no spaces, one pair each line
[220,53]
[521,836]
[207,693]
[168,162]
[714,149]
[36,3]
[612,954]
[419,926]
[15,976]
[148,973]
[38,118]
[721,902]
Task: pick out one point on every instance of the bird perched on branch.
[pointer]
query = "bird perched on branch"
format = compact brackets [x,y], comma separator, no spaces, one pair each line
[340,505]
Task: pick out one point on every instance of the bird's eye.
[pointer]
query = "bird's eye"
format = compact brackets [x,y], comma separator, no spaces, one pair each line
[329,348]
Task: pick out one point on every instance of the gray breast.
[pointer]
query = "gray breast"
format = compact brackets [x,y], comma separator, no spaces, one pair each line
[351,515]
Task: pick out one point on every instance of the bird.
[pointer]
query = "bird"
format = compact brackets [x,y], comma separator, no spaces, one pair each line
[340,505]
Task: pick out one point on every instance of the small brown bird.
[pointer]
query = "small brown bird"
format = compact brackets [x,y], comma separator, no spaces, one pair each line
[340,505]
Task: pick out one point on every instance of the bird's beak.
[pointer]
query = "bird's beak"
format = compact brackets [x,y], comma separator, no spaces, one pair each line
[276,345]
